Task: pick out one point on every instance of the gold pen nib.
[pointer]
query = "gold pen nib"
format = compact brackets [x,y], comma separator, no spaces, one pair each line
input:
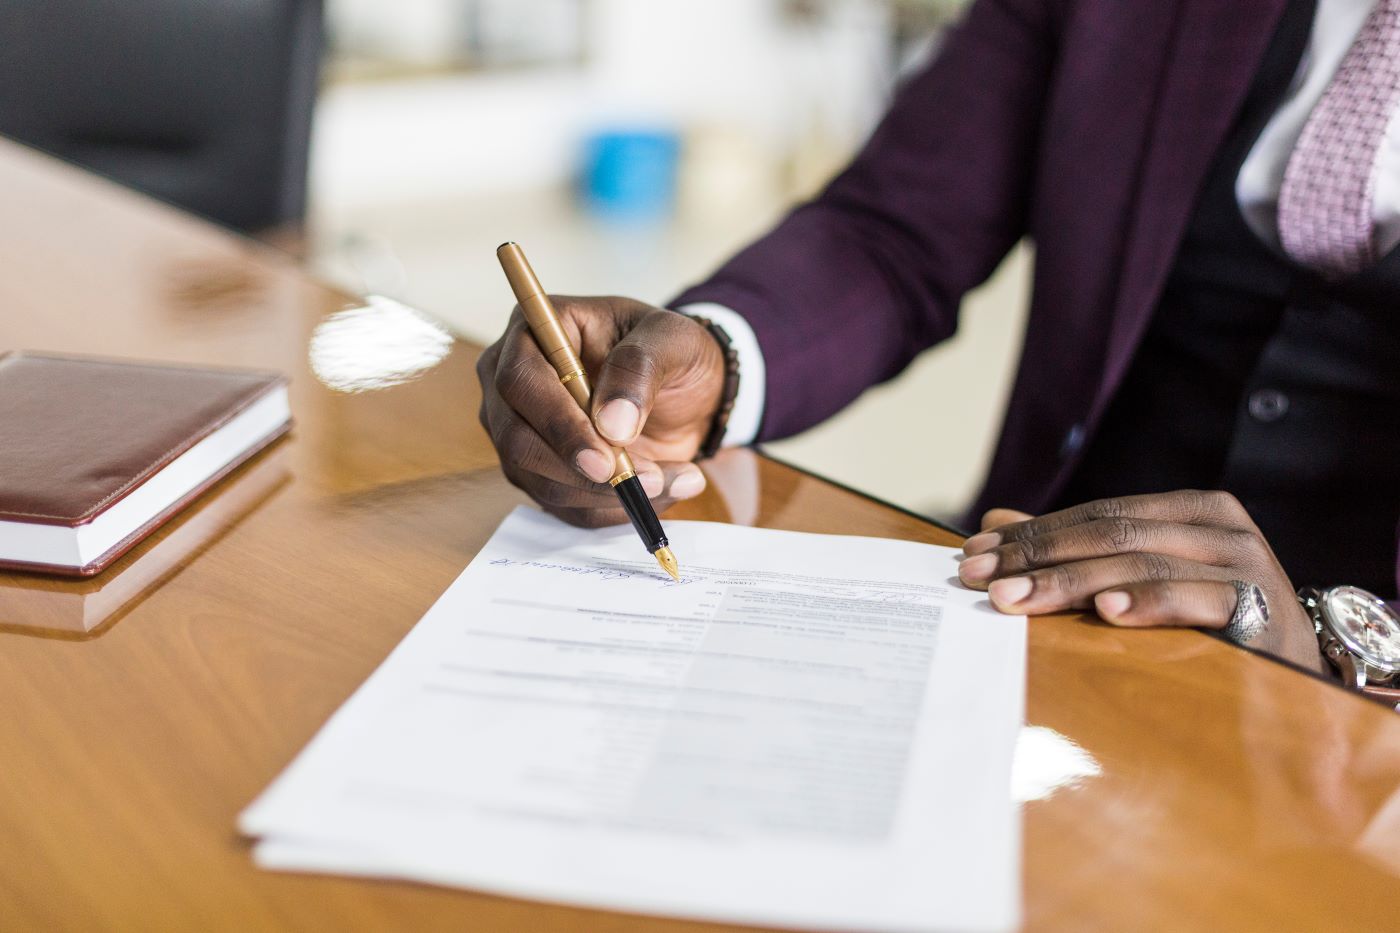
[667,560]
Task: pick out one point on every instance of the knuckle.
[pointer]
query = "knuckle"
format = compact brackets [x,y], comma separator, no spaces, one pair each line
[515,377]
[678,327]
[1231,507]
[1063,579]
[542,490]
[503,380]
[1222,501]
[672,322]
[551,492]
[514,444]
[513,380]
[581,311]
[596,518]
[1201,504]
[1246,544]
[563,433]
[574,313]
[585,518]
[1027,552]
[1021,531]
[1125,534]
[633,359]
[1101,509]
[1250,556]
[1155,567]
[1211,505]
[1010,534]
[564,513]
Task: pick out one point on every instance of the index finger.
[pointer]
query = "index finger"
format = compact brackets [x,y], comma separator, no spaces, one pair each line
[1185,507]
[531,388]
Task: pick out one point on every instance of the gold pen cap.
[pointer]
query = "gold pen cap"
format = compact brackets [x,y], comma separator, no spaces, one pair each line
[543,320]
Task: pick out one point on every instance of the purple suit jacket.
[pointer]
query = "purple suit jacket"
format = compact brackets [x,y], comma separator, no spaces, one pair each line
[1087,125]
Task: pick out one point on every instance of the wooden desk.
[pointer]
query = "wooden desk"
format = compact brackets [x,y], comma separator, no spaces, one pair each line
[1233,793]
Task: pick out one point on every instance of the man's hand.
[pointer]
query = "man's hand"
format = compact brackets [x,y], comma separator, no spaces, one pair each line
[657,377]
[1156,560]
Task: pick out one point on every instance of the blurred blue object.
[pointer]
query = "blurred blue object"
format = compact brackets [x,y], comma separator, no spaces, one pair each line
[631,174]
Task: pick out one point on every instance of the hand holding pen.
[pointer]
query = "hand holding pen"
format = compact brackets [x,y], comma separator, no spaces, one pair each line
[657,379]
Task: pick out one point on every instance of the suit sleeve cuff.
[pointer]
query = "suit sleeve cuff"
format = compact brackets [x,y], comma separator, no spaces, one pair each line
[747,416]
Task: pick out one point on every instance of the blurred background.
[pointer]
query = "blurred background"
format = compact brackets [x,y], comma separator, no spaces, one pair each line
[629,145]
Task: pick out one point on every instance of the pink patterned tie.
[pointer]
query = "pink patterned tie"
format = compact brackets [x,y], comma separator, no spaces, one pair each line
[1324,206]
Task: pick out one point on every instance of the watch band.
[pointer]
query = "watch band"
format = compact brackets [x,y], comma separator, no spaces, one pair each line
[1387,696]
[728,392]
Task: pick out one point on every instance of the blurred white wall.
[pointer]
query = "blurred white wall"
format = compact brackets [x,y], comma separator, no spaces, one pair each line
[417,176]
[737,66]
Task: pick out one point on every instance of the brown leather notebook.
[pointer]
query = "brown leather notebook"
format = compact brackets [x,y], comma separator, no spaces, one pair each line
[96,454]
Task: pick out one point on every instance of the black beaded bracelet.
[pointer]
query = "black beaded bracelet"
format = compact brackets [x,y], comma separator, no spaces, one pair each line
[728,393]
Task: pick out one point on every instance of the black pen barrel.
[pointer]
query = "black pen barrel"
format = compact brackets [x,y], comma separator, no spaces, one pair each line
[638,508]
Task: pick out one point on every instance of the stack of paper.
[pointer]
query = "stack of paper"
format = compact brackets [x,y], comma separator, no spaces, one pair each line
[806,731]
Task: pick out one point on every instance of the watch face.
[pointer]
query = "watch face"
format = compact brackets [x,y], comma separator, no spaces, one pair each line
[1365,625]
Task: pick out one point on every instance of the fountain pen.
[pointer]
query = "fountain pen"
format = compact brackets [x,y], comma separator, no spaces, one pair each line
[554,343]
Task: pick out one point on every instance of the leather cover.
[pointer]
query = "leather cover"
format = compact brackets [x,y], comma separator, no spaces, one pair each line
[81,433]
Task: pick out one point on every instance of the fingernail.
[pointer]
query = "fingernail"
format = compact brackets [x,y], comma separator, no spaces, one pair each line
[1010,591]
[978,569]
[594,465]
[618,420]
[652,482]
[1113,605]
[980,544]
[690,483]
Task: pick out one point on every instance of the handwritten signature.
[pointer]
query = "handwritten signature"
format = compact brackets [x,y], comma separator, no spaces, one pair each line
[602,573]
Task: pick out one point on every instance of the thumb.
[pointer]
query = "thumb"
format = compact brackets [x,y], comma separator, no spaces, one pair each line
[660,348]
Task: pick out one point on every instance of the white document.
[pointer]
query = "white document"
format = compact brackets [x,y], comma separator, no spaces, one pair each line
[807,731]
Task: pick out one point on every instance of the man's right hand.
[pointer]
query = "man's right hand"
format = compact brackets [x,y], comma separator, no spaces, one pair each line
[657,377]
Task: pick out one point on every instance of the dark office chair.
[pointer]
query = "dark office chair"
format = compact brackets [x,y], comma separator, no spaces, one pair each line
[203,103]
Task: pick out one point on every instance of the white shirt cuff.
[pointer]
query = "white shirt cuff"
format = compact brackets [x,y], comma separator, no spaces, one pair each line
[747,415]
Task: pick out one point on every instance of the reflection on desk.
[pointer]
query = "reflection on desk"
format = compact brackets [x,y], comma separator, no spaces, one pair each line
[82,609]
[378,346]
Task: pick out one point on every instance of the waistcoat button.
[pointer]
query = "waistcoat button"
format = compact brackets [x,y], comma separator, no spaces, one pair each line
[1267,405]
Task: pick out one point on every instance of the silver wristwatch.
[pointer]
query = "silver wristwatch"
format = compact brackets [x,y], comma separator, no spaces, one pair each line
[1360,637]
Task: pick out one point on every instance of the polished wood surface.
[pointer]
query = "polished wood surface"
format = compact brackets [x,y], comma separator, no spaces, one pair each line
[138,719]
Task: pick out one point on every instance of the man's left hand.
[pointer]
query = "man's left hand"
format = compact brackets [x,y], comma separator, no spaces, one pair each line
[1156,560]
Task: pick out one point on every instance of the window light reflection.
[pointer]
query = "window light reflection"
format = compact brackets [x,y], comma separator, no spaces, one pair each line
[385,343]
[1047,761]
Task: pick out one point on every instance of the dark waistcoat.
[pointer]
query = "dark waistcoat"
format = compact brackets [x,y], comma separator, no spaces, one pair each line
[1259,377]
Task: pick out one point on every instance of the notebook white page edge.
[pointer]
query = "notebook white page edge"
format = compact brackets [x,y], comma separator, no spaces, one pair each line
[78,546]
